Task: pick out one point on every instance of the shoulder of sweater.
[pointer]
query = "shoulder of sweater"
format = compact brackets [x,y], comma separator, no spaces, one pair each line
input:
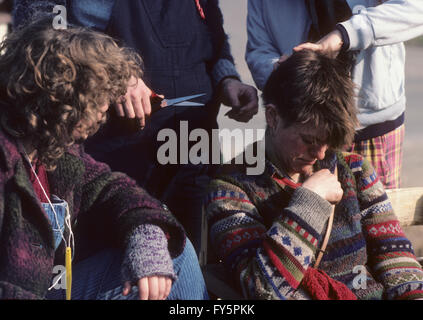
[76,150]
[351,160]
[9,152]
[357,162]
[351,156]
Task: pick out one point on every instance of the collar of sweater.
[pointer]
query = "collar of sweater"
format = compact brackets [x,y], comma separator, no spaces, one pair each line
[70,168]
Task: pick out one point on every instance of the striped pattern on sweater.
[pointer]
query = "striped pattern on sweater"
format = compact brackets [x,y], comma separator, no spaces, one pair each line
[267,233]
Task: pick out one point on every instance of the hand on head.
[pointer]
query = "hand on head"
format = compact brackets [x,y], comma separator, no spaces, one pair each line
[330,45]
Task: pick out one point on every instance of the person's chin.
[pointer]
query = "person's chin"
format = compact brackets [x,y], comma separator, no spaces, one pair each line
[307,170]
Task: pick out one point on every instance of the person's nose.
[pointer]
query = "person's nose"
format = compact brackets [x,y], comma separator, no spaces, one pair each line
[319,151]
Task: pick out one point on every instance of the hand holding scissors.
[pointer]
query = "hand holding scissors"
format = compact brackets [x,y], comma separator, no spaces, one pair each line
[141,102]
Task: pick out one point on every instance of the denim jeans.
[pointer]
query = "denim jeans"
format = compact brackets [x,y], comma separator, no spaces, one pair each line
[98,278]
[56,217]
[94,14]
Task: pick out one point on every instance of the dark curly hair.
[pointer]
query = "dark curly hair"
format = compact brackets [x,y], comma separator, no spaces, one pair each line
[54,82]
[311,88]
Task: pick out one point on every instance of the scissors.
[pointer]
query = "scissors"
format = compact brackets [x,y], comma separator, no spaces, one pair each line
[157,102]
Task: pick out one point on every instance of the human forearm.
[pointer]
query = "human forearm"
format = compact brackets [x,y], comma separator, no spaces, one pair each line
[260,54]
[263,258]
[147,254]
[222,64]
[115,201]
[147,263]
[391,22]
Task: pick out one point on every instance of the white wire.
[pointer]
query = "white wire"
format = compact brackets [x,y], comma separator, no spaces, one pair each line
[67,219]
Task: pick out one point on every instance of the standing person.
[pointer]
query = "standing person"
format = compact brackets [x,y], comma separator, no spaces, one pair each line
[185,51]
[55,89]
[369,36]
[269,230]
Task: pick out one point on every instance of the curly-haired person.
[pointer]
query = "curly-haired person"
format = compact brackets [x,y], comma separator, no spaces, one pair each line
[56,202]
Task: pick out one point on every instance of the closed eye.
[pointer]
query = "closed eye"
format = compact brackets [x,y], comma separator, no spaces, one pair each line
[312,141]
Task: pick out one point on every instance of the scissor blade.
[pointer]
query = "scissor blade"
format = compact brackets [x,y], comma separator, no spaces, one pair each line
[189,104]
[171,102]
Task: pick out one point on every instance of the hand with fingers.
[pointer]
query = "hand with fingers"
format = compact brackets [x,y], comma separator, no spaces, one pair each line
[241,97]
[329,45]
[326,185]
[136,103]
[150,288]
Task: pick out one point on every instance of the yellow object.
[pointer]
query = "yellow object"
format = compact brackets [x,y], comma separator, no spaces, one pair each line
[68,262]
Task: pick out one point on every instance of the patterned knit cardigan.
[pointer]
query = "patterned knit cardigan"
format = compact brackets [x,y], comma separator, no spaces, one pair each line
[105,207]
[267,234]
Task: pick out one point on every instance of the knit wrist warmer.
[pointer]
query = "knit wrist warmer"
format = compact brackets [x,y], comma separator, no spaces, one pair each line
[147,255]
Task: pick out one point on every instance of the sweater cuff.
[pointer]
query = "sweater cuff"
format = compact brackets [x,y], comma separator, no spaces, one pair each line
[345,37]
[223,69]
[147,255]
[360,32]
[310,207]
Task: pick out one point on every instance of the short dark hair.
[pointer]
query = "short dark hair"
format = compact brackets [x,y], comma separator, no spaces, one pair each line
[310,87]
[54,81]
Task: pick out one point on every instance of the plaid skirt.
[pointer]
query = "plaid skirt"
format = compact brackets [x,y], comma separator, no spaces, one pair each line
[385,154]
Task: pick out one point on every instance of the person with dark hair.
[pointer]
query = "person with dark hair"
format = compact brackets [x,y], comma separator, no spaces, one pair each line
[368,36]
[185,52]
[58,206]
[317,224]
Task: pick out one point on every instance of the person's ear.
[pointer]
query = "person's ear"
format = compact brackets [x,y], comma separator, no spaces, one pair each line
[272,117]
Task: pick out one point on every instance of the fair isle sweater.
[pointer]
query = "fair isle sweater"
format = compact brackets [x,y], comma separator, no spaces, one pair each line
[267,233]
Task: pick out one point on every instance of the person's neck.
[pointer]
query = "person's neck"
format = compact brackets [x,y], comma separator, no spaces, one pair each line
[275,160]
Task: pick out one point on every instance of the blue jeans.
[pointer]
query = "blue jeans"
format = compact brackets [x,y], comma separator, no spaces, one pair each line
[98,278]
[56,217]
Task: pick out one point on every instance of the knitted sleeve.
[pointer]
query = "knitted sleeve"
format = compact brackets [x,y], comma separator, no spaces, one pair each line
[110,206]
[147,255]
[261,52]
[390,253]
[267,263]
[222,64]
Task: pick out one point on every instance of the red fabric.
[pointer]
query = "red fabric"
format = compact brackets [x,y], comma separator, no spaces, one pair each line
[42,175]
[322,287]
[200,9]
[286,181]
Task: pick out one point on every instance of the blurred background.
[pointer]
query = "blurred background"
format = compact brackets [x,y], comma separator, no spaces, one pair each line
[235,15]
